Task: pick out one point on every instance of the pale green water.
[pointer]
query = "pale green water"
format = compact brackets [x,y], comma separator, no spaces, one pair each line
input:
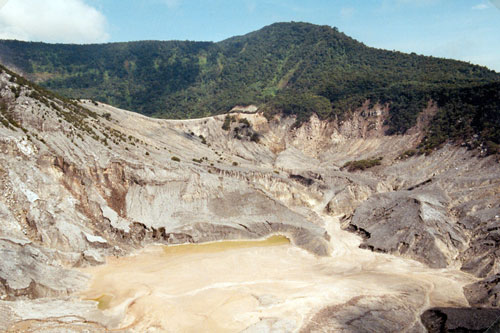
[220,246]
[103,301]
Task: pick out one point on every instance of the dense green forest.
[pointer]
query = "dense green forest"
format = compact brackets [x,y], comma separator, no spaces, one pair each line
[293,68]
[465,114]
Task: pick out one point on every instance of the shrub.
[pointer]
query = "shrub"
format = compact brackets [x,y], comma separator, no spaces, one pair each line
[492,148]
[244,121]
[362,164]
[175,158]
[227,123]
[409,153]
[255,137]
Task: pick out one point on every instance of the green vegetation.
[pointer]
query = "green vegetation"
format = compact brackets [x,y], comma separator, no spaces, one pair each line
[175,159]
[301,105]
[6,118]
[255,137]
[226,125]
[243,130]
[465,115]
[291,68]
[362,164]
[244,122]
[79,118]
[409,153]
[203,139]
[67,109]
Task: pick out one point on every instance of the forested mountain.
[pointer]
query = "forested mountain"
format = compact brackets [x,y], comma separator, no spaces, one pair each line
[294,68]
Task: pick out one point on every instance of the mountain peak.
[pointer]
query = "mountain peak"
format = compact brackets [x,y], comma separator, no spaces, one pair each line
[294,68]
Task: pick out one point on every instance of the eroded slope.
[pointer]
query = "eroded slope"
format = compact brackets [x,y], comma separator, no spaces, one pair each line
[82,182]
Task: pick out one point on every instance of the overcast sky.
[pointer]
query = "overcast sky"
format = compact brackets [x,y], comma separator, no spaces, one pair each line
[461,29]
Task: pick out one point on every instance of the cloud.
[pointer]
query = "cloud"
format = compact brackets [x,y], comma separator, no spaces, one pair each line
[63,21]
[481,6]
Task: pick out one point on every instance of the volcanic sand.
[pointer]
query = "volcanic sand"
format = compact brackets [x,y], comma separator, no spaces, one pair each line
[227,286]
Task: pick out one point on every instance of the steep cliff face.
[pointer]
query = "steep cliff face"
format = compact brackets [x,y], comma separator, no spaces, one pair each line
[80,182]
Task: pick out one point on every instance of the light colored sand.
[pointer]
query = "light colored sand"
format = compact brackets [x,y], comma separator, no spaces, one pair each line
[228,286]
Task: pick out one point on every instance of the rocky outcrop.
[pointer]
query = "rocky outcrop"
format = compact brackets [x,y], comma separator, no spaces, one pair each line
[53,315]
[442,212]
[27,271]
[413,223]
[379,314]
[485,292]
[437,320]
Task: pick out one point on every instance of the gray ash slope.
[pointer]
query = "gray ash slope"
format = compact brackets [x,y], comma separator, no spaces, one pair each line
[80,182]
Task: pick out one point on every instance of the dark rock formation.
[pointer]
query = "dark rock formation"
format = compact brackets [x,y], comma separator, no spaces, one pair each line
[410,223]
[485,292]
[459,320]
